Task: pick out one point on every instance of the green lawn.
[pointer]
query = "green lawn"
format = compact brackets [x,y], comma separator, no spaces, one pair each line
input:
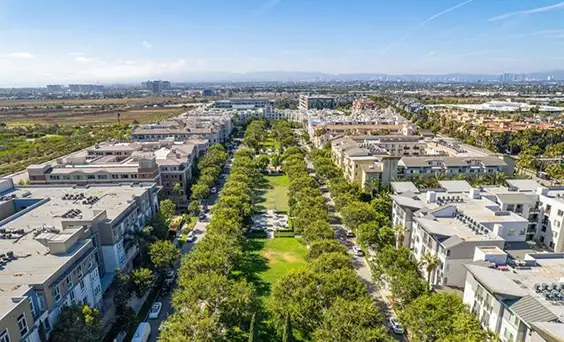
[280,256]
[276,197]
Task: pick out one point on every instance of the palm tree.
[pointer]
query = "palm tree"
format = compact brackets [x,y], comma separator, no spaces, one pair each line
[399,231]
[431,262]
[497,178]
[139,238]
[177,192]
[372,186]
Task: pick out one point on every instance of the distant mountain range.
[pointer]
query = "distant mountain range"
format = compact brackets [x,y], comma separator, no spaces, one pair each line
[295,76]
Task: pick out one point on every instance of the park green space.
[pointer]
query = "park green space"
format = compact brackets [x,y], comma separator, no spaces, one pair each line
[276,196]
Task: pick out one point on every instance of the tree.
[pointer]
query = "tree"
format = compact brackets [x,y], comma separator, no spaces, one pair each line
[357,213]
[357,320]
[319,247]
[372,186]
[167,209]
[177,192]
[262,161]
[122,290]
[77,323]
[143,280]
[399,231]
[163,255]
[288,335]
[253,331]
[441,317]
[431,262]
[194,323]
[199,191]
[194,208]
[318,230]
[41,332]
[275,161]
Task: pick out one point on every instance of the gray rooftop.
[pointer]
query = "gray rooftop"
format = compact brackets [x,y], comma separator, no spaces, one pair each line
[401,187]
[456,185]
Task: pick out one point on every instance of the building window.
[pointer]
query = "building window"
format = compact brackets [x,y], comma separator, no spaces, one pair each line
[4,336]
[22,324]
[560,213]
[79,270]
[46,324]
[56,293]
[82,284]
[72,297]
[69,281]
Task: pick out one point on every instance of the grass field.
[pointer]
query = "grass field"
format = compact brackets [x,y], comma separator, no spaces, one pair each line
[276,196]
[283,255]
[86,102]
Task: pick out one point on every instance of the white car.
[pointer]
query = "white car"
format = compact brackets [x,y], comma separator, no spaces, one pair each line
[155,310]
[357,251]
[395,326]
[213,190]
[190,237]
[350,234]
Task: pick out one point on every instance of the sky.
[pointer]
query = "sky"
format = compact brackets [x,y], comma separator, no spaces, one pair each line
[76,41]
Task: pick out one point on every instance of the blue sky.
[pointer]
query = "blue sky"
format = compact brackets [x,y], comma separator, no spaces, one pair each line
[61,41]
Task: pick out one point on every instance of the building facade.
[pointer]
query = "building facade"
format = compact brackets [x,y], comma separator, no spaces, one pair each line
[61,245]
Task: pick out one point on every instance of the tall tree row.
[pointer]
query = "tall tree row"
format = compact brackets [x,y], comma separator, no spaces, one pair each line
[326,301]
[213,301]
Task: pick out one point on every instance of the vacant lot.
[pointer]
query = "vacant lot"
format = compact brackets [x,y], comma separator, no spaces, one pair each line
[92,102]
[276,196]
[145,115]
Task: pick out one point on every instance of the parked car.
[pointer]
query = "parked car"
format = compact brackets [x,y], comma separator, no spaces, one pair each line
[202,217]
[350,234]
[155,310]
[142,333]
[395,326]
[213,190]
[358,251]
[190,237]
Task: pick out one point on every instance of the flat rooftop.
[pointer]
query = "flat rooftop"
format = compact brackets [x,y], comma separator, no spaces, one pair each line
[33,263]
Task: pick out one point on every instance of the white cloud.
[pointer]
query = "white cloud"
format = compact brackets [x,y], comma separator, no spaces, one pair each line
[76,54]
[548,8]
[83,59]
[20,55]
[147,45]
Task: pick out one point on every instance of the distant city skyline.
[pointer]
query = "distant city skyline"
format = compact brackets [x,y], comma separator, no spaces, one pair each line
[63,41]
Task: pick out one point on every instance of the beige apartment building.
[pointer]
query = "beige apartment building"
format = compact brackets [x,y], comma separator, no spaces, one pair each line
[164,162]
[61,244]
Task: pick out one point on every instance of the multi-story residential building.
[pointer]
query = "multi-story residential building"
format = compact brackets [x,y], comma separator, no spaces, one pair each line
[521,301]
[241,103]
[364,103]
[384,158]
[61,244]
[307,102]
[86,88]
[451,223]
[165,163]
[155,133]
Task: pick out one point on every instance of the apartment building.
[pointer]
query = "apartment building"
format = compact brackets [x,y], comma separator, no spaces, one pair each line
[521,301]
[364,103]
[153,133]
[363,165]
[307,102]
[451,223]
[165,163]
[244,103]
[61,244]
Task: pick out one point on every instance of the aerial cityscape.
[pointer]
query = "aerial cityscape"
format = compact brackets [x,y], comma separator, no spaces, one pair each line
[275,170]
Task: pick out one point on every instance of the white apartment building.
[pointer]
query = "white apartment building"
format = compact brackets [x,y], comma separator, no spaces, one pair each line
[522,301]
[451,224]
[61,244]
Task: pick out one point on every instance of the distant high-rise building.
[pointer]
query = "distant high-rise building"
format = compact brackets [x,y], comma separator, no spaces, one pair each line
[316,102]
[156,86]
[86,88]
